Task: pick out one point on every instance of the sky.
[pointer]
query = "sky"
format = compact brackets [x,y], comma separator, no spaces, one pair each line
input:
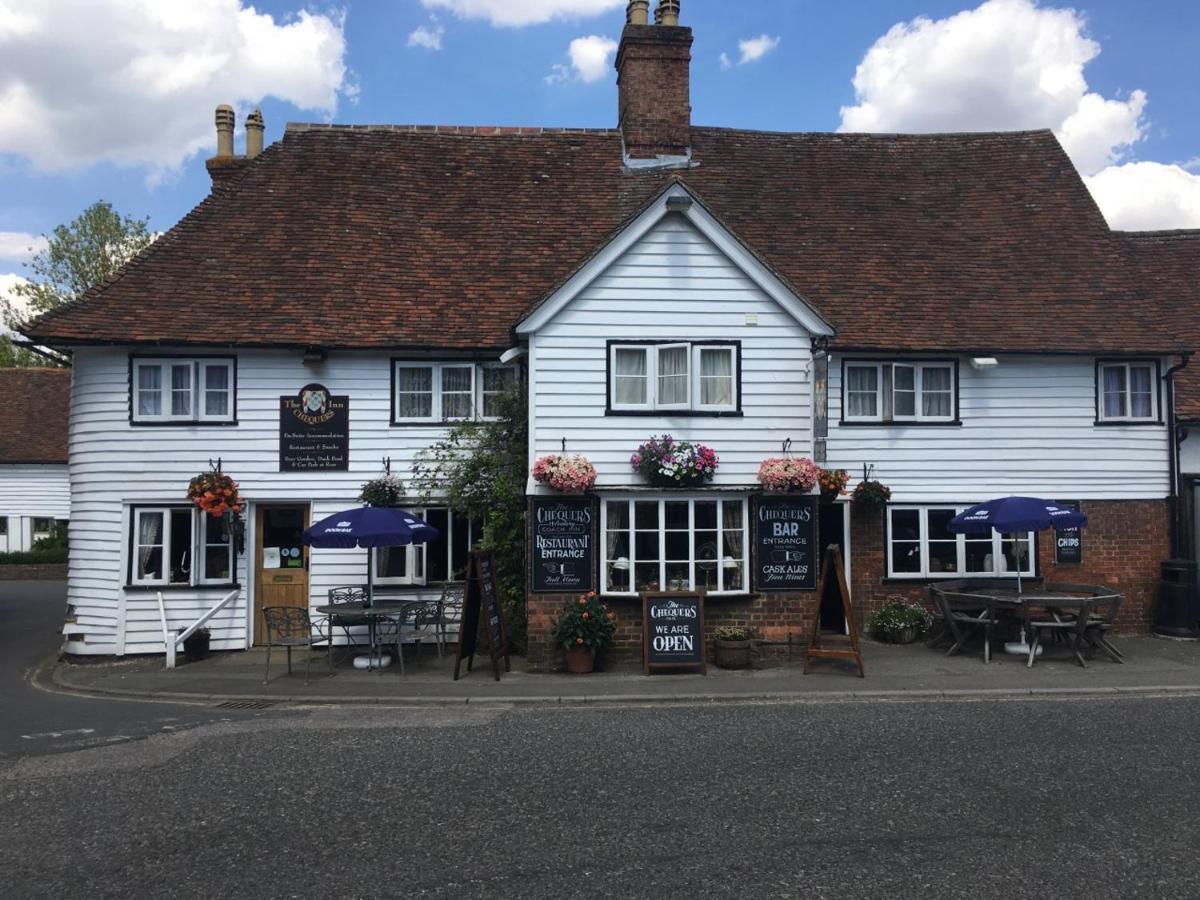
[114,99]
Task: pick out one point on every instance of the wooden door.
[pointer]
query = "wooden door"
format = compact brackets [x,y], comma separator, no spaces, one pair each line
[280,560]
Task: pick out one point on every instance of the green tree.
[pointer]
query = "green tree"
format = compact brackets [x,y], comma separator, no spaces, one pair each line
[480,470]
[84,252]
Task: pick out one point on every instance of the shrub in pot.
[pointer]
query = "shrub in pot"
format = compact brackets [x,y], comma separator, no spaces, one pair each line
[732,645]
[899,622]
[583,629]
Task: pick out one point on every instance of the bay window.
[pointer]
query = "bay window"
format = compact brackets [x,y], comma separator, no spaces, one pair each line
[674,544]
[899,391]
[921,545]
[673,376]
[448,391]
[178,391]
[168,541]
[1128,391]
[444,559]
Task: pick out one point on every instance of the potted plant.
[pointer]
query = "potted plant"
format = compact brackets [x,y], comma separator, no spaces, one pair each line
[782,474]
[584,628]
[195,645]
[568,474]
[731,645]
[666,462]
[386,490]
[899,622]
[871,493]
[833,483]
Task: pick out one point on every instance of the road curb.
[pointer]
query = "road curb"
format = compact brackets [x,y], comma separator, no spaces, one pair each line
[600,700]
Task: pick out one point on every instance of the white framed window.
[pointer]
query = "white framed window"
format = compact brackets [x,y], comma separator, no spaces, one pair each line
[673,376]
[41,527]
[901,391]
[447,391]
[436,561]
[921,545]
[182,391]
[169,541]
[674,543]
[1128,391]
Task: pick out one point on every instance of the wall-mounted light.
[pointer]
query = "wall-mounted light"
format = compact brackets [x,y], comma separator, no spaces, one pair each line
[314,356]
[984,362]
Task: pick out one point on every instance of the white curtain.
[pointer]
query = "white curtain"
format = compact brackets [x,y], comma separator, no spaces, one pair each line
[630,380]
[414,393]
[862,386]
[936,392]
[216,390]
[1141,405]
[1114,392]
[716,377]
[181,390]
[150,539]
[673,375]
[149,391]
[457,392]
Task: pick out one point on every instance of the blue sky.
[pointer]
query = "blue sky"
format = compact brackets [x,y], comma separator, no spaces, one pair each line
[128,117]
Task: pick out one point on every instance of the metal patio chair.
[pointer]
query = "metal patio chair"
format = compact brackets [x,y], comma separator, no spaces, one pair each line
[290,626]
[444,612]
[355,599]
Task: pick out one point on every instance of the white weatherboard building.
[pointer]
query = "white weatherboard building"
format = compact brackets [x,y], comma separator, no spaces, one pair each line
[34,492]
[949,310]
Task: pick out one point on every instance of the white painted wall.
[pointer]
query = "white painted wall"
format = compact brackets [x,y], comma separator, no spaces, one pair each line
[114,464]
[28,492]
[672,285]
[1189,452]
[1028,427]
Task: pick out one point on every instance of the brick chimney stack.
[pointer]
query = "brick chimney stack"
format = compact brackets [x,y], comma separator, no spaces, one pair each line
[225,165]
[653,75]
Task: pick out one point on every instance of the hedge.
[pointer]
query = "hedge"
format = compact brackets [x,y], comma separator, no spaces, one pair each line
[49,557]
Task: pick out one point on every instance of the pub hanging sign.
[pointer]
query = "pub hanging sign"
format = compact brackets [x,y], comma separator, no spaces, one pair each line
[314,431]
[785,542]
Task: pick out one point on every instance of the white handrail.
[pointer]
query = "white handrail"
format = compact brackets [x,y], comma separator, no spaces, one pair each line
[172,642]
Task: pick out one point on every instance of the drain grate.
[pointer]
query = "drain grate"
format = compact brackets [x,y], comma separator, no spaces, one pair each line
[246,704]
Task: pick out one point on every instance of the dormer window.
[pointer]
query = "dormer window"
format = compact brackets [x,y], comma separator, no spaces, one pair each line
[689,378]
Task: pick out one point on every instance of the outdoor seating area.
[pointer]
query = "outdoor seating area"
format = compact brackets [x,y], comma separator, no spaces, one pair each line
[1075,617]
[352,628]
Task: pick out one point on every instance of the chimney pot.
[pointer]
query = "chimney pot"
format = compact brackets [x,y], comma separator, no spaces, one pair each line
[224,119]
[667,12]
[254,134]
[637,12]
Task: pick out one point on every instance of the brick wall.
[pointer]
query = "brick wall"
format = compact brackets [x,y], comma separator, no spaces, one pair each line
[655,112]
[1123,546]
[52,572]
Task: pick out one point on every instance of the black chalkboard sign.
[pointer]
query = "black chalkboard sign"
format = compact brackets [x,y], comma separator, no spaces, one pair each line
[481,599]
[1068,542]
[562,552]
[672,631]
[785,542]
[314,431]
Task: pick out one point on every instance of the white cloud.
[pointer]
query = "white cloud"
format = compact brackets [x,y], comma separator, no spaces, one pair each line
[590,60]
[135,82]
[1008,64]
[20,245]
[8,281]
[1147,195]
[726,62]
[428,37]
[754,49]
[516,13]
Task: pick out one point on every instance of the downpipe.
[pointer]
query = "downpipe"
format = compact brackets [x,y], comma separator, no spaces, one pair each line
[1178,528]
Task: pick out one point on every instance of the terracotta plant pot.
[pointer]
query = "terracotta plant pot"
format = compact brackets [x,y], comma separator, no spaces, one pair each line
[732,654]
[581,661]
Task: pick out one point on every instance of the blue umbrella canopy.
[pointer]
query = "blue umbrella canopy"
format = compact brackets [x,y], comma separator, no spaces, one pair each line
[1009,514]
[370,526]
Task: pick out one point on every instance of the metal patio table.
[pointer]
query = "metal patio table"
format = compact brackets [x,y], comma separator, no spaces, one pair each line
[371,616]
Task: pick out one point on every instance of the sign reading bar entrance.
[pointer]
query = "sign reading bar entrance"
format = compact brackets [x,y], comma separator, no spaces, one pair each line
[785,543]
[562,551]
[481,599]
[673,631]
[314,431]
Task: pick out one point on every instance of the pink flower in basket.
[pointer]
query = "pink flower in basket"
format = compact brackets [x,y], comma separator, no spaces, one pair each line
[783,473]
[569,474]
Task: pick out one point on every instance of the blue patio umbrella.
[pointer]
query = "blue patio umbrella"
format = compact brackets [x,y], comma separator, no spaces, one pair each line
[1016,514]
[370,526]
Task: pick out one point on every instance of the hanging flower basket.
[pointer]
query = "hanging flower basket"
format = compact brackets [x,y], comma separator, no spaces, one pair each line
[569,474]
[833,483]
[782,474]
[666,462]
[215,493]
[386,490]
[871,494]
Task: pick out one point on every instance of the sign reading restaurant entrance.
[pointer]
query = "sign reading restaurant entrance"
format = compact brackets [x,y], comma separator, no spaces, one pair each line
[785,543]
[563,550]
[481,599]
[314,431]
[673,631]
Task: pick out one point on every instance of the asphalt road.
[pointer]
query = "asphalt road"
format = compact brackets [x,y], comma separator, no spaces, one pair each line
[35,722]
[1083,798]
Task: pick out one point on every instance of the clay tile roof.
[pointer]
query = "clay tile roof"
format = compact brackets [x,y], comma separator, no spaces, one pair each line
[1169,265]
[405,236]
[37,402]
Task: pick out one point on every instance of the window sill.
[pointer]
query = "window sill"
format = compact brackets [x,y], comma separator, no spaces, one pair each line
[880,423]
[923,579]
[714,598]
[1128,423]
[182,423]
[180,588]
[676,413]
